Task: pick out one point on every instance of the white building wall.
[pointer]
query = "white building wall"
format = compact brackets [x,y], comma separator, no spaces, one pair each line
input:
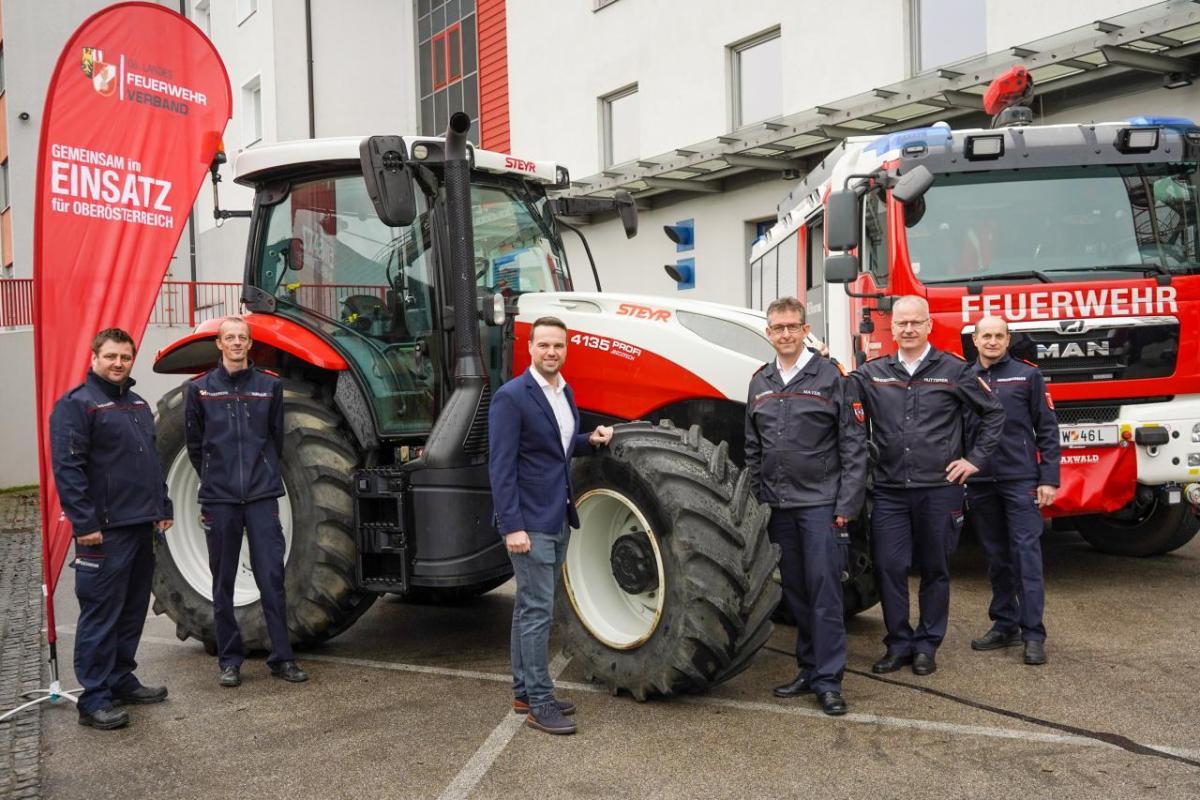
[678,54]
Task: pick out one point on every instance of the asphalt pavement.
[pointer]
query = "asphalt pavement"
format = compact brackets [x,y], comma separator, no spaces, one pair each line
[413,702]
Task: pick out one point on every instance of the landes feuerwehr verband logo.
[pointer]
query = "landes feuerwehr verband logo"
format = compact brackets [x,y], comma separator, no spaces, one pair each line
[103,76]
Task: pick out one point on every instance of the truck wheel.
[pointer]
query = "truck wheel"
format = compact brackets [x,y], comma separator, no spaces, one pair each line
[1149,529]
[667,583]
[317,516]
[859,591]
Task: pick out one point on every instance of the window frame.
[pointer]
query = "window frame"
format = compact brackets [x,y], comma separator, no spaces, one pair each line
[451,73]
[606,126]
[245,9]
[734,57]
[913,21]
[252,112]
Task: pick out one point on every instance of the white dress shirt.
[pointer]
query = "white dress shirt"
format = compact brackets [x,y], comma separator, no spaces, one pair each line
[786,375]
[557,397]
[914,366]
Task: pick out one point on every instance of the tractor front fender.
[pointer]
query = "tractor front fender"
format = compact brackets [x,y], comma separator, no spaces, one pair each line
[197,352]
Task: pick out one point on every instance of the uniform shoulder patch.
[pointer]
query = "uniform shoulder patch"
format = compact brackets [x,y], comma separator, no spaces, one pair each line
[266,371]
[839,366]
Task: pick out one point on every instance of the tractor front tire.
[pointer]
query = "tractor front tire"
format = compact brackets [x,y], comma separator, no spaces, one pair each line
[667,583]
[1149,529]
[317,516]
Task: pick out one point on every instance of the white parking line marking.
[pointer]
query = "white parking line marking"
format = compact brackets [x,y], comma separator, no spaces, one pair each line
[474,770]
[740,705]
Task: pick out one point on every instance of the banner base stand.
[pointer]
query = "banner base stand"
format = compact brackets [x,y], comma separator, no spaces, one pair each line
[52,695]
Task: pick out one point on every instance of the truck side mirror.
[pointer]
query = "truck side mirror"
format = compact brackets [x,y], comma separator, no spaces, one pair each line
[841,268]
[842,222]
[627,210]
[387,180]
[913,184]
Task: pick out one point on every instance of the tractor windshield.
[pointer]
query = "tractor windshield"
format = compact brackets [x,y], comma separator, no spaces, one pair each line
[373,289]
[1059,223]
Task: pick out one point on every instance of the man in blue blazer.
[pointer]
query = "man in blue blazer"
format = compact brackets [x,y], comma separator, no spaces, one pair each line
[533,430]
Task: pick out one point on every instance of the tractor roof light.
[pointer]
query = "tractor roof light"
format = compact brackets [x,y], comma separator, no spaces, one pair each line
[985,148]
[1137,140]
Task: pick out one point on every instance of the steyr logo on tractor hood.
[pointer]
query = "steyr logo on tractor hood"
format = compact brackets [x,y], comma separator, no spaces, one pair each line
[643,312]
[1121,301]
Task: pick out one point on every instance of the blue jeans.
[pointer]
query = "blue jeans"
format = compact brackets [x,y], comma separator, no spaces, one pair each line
[537,574]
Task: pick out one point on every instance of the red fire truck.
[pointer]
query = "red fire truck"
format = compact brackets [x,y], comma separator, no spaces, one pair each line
[1085,237]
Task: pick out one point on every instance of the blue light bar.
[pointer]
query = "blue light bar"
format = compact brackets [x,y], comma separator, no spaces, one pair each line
[1165,122]
[937,135]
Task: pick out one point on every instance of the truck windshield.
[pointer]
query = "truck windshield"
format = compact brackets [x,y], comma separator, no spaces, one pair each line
[1057,221]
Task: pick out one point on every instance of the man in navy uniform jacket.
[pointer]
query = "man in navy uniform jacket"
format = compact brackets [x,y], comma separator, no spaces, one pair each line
[1005,498]
[234,416]
[533,430]
[110,482]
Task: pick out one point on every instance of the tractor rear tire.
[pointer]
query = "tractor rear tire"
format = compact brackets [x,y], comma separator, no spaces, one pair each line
[667,584]
[318,518]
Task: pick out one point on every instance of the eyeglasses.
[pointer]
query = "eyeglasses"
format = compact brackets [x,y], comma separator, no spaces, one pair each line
[909,323]
[779,330]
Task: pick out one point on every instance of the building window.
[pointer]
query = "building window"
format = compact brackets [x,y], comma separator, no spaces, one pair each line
[447,64]
[245,8]
[203,17]
[252,112]
[757,79]
[447,56]
[946,32]
[619,115]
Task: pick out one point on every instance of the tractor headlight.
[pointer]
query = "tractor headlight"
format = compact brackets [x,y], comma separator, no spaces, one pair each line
[1196,433]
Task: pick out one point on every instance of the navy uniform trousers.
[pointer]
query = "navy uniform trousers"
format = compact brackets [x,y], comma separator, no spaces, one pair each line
[112,582]
[810,565]
[1009,526]
[918,527]
[224,524]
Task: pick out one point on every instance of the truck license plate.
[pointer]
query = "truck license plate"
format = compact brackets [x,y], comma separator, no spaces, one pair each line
[1088,435]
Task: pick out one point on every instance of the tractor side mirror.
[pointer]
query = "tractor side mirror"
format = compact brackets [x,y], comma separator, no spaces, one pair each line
[627,210]
[841,268]
[388,183]
[913,185]
[295,254]
[842,222]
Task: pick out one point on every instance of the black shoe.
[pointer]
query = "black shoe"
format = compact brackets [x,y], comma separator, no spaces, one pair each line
[230,677]
[891,663]
[833,704]
[994,640]
[548,718]
[521,706]
[143,695]
[795,688]
[290,671]
[1035,653]
[105,719]
[923,664]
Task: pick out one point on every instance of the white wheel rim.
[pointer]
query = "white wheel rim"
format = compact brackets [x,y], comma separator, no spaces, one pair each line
[620,620]
[187,543]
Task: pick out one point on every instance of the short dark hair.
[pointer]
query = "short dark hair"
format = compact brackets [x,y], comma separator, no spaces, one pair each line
[553,322]
[785,304]
[112,335]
